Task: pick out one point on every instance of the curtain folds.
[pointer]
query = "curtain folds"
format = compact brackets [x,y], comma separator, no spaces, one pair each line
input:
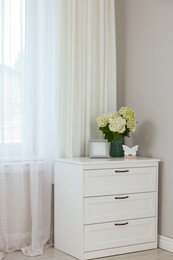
[49,49]
[87,70]
[27,82]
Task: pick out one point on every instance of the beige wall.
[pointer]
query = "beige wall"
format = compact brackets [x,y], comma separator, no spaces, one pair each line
[145,83]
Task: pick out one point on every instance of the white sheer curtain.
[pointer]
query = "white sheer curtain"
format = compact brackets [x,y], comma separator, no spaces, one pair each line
[27,81]
[87,70]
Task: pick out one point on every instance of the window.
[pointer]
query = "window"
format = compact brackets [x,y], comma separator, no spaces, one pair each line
[12,79]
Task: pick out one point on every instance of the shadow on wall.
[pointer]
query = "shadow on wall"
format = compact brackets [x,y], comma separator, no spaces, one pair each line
[160,192]
[144,137]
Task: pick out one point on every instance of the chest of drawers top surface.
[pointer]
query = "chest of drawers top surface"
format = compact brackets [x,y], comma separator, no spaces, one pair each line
[96,163]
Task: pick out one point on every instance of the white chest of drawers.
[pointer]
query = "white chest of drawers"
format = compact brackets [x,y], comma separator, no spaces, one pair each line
[105,207]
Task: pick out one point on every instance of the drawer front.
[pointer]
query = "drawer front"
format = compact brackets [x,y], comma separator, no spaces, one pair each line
[119,181]
[116,234]
[118,207]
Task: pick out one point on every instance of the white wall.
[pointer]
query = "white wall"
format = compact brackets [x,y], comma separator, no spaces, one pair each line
[145,83]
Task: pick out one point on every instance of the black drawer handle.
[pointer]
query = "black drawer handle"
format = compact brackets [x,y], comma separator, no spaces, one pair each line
[121,198]
[119,171]
[121,224]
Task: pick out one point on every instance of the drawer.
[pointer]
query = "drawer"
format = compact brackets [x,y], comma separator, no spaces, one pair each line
[119,181]
[116,234]
[112,208]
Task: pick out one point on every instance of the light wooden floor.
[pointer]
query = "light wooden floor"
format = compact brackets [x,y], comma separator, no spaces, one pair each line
[53,254]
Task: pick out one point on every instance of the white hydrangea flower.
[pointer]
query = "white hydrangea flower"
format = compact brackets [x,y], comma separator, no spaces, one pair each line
[102,121]
[118,125]
[111,116]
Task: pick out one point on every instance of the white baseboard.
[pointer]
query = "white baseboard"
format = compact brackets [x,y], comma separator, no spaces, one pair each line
[165,243]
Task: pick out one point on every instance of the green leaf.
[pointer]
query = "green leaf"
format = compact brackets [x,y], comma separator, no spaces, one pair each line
[105,129]
[116,136]
[126,133]
[109,137]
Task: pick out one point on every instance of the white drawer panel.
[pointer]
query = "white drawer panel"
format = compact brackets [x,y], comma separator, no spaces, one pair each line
[114,181]
[112,208]
[109,235]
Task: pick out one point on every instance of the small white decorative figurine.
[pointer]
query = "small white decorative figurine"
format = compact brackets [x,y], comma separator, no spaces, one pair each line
[130,153]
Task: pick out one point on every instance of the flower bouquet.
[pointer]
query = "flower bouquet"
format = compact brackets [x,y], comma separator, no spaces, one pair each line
[116,125]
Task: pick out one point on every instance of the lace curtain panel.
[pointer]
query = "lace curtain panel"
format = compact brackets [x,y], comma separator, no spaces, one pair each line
[27,81]
[49,49]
